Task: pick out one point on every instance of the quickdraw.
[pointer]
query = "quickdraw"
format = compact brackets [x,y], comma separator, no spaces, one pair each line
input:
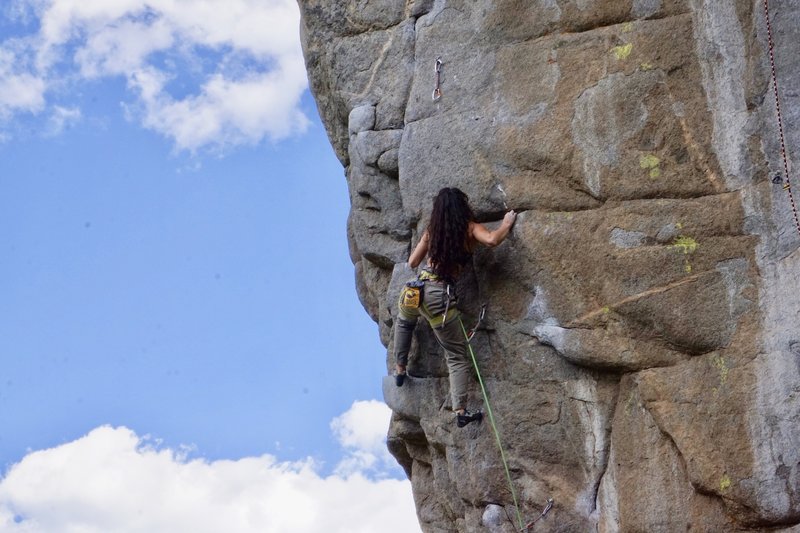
[778,179]
[471,332]
[437,70]
[446,304]
[544,513]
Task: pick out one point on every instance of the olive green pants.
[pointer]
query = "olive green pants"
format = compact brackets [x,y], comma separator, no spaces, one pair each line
[448,333]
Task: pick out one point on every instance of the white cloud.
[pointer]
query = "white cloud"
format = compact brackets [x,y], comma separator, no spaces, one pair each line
[62,118]
[241,58]
[122,48]
[20,91]
[362,432]
[225,112]
[113,480]
[22,11]
[363,426]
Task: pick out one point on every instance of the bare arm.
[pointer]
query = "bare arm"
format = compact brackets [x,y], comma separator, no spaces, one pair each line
[493,238]
[419,252]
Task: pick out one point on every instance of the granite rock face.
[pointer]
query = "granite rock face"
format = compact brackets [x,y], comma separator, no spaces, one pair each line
[642,349]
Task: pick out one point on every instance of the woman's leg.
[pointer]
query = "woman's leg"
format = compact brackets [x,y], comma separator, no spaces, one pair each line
[403,333]
[450,337]
[459,367]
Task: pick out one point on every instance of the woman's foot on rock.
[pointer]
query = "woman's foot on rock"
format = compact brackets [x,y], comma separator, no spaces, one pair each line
[400,376]
[462,419]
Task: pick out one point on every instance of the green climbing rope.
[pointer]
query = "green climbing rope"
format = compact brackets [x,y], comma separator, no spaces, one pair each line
[494,427]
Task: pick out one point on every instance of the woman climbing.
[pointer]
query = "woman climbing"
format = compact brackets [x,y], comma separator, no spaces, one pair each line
[448,242]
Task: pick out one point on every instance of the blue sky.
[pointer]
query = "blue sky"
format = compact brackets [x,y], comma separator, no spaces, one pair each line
[174,264]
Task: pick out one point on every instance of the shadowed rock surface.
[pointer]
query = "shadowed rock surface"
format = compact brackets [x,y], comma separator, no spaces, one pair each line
[642,349]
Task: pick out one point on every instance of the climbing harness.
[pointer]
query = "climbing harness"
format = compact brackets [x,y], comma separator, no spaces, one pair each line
[544,513]
[494,426]
[438,322]
[437,70]
[777,179]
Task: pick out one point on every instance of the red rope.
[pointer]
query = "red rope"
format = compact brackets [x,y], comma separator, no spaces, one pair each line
[787,185]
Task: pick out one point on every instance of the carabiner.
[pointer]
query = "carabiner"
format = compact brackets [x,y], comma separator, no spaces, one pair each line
[544,513]
[446,305]
[474,328]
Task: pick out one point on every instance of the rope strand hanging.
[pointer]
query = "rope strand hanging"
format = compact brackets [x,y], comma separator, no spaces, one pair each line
[468,336]
[788,185]
[494,426]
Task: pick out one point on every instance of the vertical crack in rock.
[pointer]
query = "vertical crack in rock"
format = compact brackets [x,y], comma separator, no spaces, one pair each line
[595,420]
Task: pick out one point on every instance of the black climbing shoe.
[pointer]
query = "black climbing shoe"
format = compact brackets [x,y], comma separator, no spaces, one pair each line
[467,417]
[399,379]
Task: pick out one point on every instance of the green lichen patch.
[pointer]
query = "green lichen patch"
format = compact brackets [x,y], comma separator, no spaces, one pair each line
[685,244]
[622,51]
[719,362]
[651,163]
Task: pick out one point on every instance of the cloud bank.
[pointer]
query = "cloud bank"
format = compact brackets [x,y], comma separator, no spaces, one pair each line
[114,480]
[203,73]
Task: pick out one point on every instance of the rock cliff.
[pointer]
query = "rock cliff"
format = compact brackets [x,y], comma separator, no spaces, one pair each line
[642,350]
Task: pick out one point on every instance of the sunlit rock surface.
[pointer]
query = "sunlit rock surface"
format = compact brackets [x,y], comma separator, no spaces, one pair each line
[642,347]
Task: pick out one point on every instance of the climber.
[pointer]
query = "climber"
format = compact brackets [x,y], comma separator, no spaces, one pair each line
[448,242]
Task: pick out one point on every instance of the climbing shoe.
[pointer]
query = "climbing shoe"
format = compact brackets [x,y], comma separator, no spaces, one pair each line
[399,378]
[467,417]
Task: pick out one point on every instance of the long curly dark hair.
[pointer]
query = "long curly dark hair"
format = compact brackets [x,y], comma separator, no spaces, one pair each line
[448,250]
